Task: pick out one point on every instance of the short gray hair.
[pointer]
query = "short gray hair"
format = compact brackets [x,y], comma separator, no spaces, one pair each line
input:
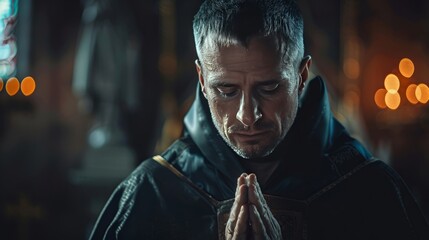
[228,22]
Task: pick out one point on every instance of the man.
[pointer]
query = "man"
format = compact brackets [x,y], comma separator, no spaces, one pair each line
[261,156]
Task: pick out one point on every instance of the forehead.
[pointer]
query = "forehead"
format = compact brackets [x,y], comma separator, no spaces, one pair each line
[260,53]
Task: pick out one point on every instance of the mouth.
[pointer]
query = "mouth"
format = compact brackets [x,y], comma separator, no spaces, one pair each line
[250,137]
[249,134]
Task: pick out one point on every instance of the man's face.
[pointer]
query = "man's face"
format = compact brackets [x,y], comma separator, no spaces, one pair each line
[252,95]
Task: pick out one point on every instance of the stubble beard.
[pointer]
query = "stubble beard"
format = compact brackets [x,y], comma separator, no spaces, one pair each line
[256,151]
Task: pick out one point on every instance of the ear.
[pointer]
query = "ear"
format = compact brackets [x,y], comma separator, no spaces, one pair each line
[200,77]
[304,69]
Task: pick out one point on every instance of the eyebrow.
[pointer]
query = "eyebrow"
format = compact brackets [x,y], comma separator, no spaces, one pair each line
[219,83]
[268,82]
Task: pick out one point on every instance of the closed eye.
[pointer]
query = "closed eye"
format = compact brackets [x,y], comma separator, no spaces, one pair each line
[227,91]
[269,88]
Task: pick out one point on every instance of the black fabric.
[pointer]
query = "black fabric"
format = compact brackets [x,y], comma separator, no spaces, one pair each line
[346,194]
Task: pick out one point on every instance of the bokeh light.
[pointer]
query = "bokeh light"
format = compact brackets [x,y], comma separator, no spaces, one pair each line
[1,84]
[391,83]
[393,100]
[379,97]
[28,85]
[12,86]
[411,94]
[422,93]
[406,67]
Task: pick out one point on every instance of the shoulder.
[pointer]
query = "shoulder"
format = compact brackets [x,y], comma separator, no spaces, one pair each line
[371,183]
[150,170]
[369,174]
[356,172]
[141,196]
[145,177]
[376,172]
[150,175]
[347,158]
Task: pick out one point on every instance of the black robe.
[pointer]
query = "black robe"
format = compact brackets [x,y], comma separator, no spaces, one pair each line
[326,187]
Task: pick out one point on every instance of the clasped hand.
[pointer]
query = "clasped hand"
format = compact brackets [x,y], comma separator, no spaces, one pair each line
[250,216]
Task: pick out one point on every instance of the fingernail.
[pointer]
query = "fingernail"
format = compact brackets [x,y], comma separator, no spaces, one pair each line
[254,176]
[250,178]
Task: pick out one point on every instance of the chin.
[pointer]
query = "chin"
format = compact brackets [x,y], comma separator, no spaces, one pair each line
[252,152]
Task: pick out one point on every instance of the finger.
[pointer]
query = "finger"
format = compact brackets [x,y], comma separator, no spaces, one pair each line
[255,194]
[270,224]
[257,199]
[240,181]
[241,196]
[252,180]
[258,228]
[242,222]
[240,199]
[261,229]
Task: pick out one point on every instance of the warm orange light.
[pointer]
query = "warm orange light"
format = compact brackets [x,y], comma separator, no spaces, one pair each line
[393,100]
[406,67]
[28,85]
[351,68]
[411,94]
[1,84]
[391,83]
[422,93]
[12,86]
[379,98]
[418,93]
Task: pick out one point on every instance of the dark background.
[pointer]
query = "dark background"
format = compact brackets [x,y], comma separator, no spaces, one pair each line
[64,148]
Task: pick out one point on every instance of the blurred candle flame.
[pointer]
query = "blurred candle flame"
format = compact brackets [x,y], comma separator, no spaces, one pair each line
[393,100]
[406,67]
[379,98]
[12,86]
[391,83]
[28,85]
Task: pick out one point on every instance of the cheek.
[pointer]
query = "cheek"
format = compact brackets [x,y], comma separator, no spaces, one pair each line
[280,120]
[220,112]
[283,112]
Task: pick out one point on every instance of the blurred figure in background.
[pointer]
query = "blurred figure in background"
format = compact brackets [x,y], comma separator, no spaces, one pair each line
[116,73]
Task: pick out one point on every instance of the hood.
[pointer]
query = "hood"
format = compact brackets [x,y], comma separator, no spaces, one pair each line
[313,133]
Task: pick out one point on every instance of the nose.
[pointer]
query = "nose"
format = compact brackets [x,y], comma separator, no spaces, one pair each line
[248,112]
